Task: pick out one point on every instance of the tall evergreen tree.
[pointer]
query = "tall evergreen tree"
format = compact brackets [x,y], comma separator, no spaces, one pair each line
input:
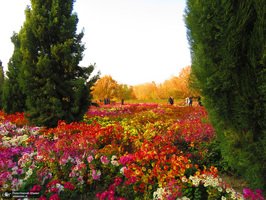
[56,87]
[13,99]
[2,79]
[228,63]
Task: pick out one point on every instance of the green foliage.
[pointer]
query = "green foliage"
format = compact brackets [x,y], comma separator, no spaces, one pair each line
[13,99]
[56,87]
[228,65]
[2,79]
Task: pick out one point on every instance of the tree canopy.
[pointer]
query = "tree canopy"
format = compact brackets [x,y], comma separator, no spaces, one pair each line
[228,64]
[13,98]
[56,87]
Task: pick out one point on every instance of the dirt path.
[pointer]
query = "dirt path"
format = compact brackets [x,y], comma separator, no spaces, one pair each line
[237,183]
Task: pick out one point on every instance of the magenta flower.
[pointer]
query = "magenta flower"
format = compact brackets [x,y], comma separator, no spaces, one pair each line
[90,158]
[54,190]
[118,181]
[42,198]
[96,174]
[54,197]
[112,187]
[104,159]
[69,186]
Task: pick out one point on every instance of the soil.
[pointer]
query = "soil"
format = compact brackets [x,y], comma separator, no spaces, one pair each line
[237,183]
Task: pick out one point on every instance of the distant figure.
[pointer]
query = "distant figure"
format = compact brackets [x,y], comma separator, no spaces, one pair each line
[187,101]
[105,101]
[122,101]
[171,100]
[199,101]
[190,101]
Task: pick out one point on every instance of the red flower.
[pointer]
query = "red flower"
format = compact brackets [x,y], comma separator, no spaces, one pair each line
[54,197]
[54,190]
[118,181]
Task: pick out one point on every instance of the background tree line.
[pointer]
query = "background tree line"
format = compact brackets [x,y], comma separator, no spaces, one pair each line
[176,86]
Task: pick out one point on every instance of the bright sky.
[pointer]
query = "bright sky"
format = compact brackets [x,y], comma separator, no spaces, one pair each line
[134,41]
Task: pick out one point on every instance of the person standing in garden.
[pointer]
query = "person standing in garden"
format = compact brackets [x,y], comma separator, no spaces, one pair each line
[171,100]
[190,101]
[187,101]
[199,101]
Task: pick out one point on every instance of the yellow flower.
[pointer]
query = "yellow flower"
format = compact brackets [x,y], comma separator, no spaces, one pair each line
[137,172]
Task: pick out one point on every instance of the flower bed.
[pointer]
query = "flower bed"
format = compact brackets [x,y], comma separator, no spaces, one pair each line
[135,151]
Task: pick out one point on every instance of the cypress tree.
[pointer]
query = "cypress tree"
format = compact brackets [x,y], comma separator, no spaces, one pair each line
[2,80]
[13,99]
[57,88]
[228,63]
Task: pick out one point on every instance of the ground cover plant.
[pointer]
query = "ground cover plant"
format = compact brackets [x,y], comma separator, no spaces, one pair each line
[135,151]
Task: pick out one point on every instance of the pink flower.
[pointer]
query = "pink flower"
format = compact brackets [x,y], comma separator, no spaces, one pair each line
[54,190]
[42,198]
[72,174]
[49,176]
[54,197]
[133,179]
[127,182]
[112,187]
[118,181]
[90,158]
[96,175]
[124,159]
[104,159]
[98,195]
[36,188]
[111,197]
[69,186]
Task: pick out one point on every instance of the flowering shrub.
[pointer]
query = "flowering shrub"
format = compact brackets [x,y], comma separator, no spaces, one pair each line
[135,151]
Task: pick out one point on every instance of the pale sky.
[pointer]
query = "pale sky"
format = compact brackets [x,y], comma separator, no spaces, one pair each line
[134,41]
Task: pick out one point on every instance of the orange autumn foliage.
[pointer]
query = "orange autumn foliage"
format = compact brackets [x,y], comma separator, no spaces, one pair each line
[177,87]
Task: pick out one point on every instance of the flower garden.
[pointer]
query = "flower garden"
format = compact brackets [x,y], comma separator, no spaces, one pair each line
[134,151]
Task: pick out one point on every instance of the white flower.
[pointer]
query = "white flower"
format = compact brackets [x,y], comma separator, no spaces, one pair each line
[184,179]
[158,194]
[114,162]
[114,157]
[185,198]
[14,169]
[122,170]
[29,172]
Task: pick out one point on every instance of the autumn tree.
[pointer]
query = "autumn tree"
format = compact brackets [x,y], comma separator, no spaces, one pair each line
[56,87]
[106,87]
[128,92]
[176,86]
